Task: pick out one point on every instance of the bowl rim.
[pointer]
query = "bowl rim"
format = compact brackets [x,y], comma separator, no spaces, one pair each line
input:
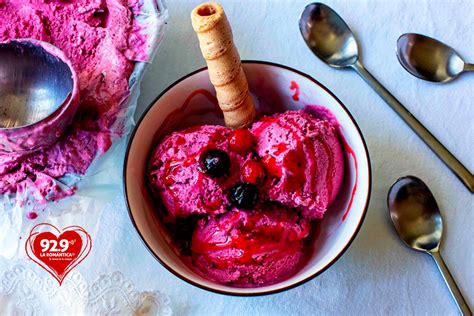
[262,293]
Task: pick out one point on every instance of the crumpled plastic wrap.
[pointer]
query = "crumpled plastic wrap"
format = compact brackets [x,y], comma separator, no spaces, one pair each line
[102,183]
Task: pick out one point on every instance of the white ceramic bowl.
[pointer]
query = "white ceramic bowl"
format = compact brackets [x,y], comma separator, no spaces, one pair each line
[270,84]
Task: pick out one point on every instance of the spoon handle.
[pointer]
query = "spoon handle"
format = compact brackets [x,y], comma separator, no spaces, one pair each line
[453,288]
[468,67]
[449,160]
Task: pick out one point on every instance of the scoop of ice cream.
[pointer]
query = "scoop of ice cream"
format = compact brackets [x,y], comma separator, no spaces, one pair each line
[303,158]
[249,247]
[177,176]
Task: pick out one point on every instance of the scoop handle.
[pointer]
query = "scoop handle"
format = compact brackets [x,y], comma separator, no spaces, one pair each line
[434,144]
[453,288]
[468,67]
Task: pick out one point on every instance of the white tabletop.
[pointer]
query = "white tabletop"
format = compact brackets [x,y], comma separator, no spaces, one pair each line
[377,275]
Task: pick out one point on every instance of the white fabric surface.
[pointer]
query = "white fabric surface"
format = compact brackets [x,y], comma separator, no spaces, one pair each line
[26,292]
[377,275]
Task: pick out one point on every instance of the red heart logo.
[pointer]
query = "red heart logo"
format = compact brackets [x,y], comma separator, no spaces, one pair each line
[58,252]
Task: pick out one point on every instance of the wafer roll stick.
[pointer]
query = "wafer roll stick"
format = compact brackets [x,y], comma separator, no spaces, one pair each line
[223,61]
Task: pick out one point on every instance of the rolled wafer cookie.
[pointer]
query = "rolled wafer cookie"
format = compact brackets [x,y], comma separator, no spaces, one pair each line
[223,61]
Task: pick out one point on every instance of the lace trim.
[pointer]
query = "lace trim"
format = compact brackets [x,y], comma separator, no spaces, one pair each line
[23,292]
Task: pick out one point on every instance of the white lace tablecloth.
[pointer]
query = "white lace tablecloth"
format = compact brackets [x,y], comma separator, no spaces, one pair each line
[377,275]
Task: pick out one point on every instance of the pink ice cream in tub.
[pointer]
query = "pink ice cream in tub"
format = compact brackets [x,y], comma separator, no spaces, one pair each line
[103,41]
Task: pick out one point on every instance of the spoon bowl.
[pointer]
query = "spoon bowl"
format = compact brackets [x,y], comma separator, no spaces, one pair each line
[415,214]
[428,58]
[38,95]
[417,220]
[328,36]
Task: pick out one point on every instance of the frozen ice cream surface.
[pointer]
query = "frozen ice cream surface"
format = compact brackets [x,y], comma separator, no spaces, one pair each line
[102,40]
[175,175]
[303,158]
[249,247]
[242,201]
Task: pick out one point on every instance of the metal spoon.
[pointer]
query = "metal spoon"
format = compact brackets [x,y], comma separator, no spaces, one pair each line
[430,59]
[419,224]
[329,37]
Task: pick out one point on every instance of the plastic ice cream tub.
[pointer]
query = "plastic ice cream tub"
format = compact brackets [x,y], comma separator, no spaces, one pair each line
[100,186]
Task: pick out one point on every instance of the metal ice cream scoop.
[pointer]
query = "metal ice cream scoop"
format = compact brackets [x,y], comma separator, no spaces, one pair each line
[38,95]
[430,59]
[418,222]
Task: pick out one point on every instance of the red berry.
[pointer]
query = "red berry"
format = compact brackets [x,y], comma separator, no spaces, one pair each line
[253,172]
[241,141]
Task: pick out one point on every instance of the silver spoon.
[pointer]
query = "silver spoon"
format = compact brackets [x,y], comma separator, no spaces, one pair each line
[330,39]
[430,59]
[39,95]
[417,220]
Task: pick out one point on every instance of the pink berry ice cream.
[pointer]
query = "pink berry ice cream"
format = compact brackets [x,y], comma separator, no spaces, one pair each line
[175,174]
[239,203]
[303,158]
[249,247]
[103,41]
